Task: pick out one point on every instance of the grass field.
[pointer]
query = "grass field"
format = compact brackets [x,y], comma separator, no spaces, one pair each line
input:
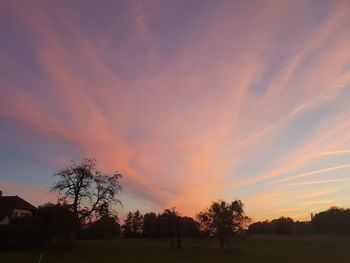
[255,249]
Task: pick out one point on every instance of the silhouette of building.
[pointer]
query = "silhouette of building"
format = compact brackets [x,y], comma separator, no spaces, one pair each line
[13,206]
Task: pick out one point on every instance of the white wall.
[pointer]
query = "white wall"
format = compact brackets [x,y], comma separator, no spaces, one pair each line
[15,213]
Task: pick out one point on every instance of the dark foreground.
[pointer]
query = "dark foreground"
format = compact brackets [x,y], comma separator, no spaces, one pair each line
[254,249]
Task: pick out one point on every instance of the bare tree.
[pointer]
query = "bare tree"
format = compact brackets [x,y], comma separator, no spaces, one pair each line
[88,191]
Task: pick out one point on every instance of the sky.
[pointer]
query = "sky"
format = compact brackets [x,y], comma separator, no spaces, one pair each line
[191,101]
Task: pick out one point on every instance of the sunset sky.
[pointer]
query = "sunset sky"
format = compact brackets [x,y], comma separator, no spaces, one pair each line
[191,100]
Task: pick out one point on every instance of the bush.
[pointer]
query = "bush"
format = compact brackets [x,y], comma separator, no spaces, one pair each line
[58,221]
[107,227]
[4,237]
[26,232]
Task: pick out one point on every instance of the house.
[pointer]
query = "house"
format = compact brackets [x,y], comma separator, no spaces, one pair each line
[13,206]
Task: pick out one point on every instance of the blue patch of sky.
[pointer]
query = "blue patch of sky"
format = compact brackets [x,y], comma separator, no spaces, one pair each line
[323,162]
[16,51]
[176,22]
[294,135]
[291,40]
[27,157]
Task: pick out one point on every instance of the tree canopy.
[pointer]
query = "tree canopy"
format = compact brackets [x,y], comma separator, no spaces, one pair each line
[223,220]
[334,220]
[133,225]
[88,191]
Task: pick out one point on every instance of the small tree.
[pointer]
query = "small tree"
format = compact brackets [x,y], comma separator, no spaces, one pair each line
[261,228]
[133,225]
[190,227]
[106,227]
[127,227]
[223,220]
[283,225]
[87,190]
[26,232]
[58,220]
[170,225]
[149,225]
[333,220]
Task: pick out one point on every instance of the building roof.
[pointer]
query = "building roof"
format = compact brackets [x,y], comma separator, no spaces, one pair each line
[8,203]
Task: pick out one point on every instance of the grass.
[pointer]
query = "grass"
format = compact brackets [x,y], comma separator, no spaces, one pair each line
[255,249]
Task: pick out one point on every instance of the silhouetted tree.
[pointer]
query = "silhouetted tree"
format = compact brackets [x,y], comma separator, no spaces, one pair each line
[127,227]
[334,220]
[190,228]
[150,225]
[136,223]
[170,225]
[262,228]
[58,220]
[223,220]
[88,191]
[26,232]
[283,225]
[106,227]
[133,225]
[4,237]
[280,226]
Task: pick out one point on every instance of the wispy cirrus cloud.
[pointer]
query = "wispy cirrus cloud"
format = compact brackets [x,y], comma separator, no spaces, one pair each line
[318,182]
[336,152]
[191,110]
[307,174]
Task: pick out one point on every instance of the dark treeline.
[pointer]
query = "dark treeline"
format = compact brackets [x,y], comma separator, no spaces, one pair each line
[280,226]
[84,211]
[57,222]
[335,220]
[169,224]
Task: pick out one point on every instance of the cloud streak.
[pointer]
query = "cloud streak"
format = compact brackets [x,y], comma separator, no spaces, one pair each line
[188,110]
[315,172]
[318,182]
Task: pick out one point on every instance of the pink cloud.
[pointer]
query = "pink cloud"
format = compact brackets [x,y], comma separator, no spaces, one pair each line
[196,116]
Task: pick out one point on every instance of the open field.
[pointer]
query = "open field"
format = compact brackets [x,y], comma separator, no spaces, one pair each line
[255,249]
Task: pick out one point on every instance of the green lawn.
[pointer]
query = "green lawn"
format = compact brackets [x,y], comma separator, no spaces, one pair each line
[255,249]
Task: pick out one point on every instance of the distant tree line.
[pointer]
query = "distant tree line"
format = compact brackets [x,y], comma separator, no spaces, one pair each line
[57,222]
[280,226]
[84,211]
[334,220]
[221,220]
[169,224]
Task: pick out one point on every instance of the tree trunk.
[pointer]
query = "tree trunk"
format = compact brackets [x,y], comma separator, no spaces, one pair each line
[76,234]
[228,243]
[172,242]
[221,242]
[71,239]
[178,239]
